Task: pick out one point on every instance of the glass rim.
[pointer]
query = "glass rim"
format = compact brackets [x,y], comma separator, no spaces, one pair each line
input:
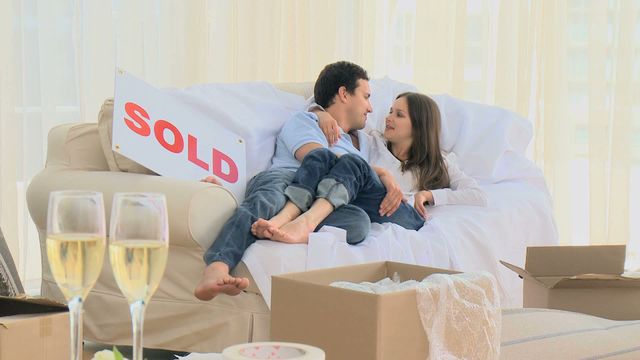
[75,193]
[135,194]
[112,241]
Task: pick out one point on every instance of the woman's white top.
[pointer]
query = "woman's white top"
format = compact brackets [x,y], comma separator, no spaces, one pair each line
[464,190]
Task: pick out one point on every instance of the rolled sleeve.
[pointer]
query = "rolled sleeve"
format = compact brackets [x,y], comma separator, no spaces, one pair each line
[302,129]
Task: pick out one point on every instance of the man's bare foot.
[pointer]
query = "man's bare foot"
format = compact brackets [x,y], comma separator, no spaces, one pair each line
[294,232]
[216,280]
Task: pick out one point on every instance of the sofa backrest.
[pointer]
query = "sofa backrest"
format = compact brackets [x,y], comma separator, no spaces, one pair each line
[87,146]
[75,146]
[304,89]
[118,162]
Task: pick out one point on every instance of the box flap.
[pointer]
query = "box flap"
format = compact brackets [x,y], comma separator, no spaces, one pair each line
[596,281]
[354,273]
[523,273]
[413,272]
[28,305]
[553,261]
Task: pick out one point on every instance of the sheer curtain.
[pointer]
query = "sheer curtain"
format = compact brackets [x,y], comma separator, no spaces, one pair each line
[570,66]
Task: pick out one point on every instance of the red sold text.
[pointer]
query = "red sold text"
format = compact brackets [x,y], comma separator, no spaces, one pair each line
[139,123]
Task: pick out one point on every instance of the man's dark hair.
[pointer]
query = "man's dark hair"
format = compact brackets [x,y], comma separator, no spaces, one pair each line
[332,77]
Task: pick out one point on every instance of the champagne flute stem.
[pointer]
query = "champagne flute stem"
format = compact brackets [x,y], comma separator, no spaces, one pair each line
[75,325]
[137,320]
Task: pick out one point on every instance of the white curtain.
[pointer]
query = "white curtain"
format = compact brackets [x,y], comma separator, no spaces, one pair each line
[572,67]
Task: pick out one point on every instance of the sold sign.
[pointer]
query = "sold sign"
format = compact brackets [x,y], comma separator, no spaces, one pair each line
[168,136]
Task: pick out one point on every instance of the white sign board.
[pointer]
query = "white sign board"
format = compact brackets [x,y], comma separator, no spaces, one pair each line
[167,136]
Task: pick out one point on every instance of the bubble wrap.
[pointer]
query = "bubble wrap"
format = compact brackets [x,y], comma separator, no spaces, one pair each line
[461,315]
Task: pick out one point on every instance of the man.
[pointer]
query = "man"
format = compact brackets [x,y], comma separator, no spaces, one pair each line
[342,89]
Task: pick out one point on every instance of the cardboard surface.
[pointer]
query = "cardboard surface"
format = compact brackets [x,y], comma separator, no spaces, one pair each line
[33,328]
[543,261]
[583,279]
[350,324]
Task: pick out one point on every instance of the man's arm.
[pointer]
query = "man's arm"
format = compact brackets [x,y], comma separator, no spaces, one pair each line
[304,150]
[301,134]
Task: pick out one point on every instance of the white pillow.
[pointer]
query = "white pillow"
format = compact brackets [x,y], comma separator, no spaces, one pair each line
[254,110]
[490,141]
[383,93]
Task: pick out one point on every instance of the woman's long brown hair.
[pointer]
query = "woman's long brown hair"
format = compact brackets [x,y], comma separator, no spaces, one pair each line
[425,157]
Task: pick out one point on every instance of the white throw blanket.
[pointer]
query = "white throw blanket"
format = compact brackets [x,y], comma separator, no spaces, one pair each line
[489,143]
[464,238]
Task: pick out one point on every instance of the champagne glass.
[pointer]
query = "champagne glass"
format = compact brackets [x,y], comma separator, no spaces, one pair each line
[75,249]
[138,248]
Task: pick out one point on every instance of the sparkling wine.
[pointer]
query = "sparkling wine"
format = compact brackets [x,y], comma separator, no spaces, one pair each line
[75,261]
[138,266]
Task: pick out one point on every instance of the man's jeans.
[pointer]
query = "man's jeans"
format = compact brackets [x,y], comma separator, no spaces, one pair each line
[346,180]
[264,199]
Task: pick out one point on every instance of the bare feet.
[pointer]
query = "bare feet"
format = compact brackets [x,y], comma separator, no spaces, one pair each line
[216,280]
[263,229]
[294,232]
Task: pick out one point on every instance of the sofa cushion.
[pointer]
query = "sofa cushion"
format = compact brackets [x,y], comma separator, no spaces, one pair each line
[81,149]
[554,334]
[116,161]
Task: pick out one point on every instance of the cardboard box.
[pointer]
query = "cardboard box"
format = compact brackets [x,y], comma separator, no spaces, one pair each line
[33,328]
[349,324]
[585,279]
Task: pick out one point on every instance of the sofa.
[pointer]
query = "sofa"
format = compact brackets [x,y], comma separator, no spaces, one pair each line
[490,145]
[79,156]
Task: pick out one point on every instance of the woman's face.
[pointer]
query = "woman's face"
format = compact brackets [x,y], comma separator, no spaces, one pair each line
[398,122]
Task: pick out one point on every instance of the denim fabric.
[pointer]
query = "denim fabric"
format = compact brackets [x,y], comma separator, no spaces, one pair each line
[347,180]
[265,197]
[352,219]
[366,191]
[315,166]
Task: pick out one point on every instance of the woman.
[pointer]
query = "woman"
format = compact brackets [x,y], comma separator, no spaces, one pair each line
[405,159]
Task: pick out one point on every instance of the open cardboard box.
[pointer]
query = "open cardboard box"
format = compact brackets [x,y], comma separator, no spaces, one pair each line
[350,324]
[585,279]
[33,328]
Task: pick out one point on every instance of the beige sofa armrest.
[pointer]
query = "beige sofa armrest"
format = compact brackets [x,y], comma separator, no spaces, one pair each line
[197,210]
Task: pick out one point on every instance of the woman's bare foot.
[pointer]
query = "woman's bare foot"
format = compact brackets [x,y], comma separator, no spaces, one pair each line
[216,280]
[263,229]
[294,232]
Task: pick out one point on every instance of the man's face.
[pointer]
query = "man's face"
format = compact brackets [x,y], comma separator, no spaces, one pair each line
[358,105]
